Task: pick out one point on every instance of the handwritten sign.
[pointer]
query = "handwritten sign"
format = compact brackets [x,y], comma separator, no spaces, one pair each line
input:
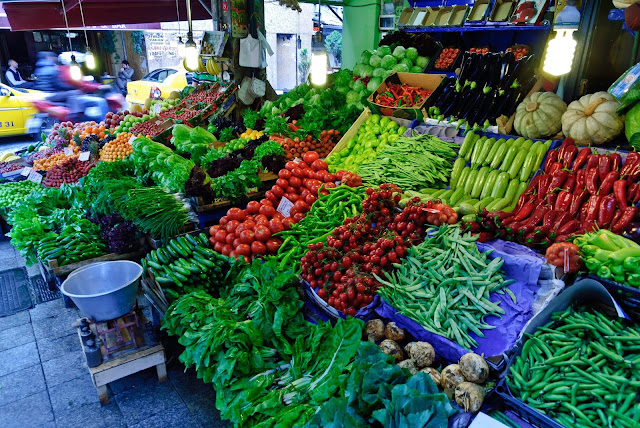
[25,171]
[68,151]
[156,108]
[132,139]
[284,207]
[84,156]
[35,177]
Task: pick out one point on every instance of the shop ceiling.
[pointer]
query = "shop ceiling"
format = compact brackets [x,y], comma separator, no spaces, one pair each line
[46,14]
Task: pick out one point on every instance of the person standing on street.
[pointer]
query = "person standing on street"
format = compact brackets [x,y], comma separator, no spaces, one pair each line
[14,78]
[124,76]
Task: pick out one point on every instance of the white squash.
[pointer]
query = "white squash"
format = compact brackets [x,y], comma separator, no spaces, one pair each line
[538,116]
[592,120]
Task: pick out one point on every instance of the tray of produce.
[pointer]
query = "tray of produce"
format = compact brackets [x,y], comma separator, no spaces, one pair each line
[448,59]
[403,95]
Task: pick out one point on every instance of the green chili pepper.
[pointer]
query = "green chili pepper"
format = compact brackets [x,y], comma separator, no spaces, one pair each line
[619,256]
[633,279]
[592,264]
[632,264]
[604,272]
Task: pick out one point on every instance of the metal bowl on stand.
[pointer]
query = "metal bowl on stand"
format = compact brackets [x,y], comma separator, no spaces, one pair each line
[104,291]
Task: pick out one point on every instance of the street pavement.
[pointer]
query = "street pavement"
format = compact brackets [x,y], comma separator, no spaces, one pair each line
[15,143]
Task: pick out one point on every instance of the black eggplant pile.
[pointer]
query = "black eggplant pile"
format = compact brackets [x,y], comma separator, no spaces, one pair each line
[489,86]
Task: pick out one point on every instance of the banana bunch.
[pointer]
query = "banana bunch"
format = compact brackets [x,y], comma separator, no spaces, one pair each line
[212,67]
[8,157]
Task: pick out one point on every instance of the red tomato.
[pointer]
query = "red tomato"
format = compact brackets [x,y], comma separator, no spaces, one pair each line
[220,236]
[287,223]
[230,238]
[218,247]
[273,245]
[292,196]
[277,191]
[253,207]
[275,226]
[339,175]
[282,183]
[236,242]
[226,249]
[247,237]
[297,172]
[298,217]
[329,178]
[307,172]
[240,228]
[270,196]
[295,182]
[285,173]
[290,166]
[232,225]
[223,221]
[243,250]
[233,254]
[330,185]
[293,211]
[213,229]
[302,165]
[262,233]
[260,218]
[235,214]
[310,199]
[290,189]
[212,241]
[258,247]
[301,206]
[278,216]
[267,210]
[309,157]
[249,224]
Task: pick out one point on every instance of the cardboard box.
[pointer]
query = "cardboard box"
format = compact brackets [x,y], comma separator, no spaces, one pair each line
[403,21]
[424,81]
[479,12]
[443,16]
[458,15]
[502,11]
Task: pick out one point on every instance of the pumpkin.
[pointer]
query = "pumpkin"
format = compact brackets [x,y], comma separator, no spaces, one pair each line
[539,115]
[593,119]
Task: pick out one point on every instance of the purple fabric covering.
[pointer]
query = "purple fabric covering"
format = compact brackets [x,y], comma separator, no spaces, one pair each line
[520,264]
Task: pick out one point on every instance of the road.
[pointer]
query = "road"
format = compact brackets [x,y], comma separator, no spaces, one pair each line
[15,143]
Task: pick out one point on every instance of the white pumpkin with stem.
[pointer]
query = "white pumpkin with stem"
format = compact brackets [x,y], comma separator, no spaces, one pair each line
[592,120]
[538,116]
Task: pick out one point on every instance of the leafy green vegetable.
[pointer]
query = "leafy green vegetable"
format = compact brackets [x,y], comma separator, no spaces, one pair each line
[235,184]
[268,148]
[250,118]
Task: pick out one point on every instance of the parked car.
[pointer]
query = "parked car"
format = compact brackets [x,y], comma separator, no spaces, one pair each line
[16,109]
[157,84]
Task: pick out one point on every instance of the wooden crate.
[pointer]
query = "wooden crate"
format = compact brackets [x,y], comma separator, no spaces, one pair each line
[66,269]
[127,361]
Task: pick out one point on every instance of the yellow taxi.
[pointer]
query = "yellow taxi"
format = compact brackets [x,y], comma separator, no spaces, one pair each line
[16,109]
[157,84]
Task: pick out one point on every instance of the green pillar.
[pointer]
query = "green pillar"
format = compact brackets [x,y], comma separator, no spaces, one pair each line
[359,29]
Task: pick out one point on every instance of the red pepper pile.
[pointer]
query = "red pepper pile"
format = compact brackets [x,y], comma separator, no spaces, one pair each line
[579,192]
[342,270]
[402,96]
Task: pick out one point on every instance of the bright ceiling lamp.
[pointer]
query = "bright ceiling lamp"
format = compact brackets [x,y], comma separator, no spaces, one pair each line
[319,68]
[190,48]
[89,60]
[562,48]
[74,68]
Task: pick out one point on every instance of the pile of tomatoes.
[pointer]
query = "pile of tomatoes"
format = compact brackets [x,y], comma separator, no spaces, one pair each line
[342,270]
[67,172]
[295,148]
[481,51]
[447,58]
[249,232]
[519,51]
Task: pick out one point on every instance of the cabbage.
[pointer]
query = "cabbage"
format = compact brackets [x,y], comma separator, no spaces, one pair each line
[379,72]
[632,122]
[352,97]
[383,50]
[374,83]
[367,71]
[406,62]
[374,61]
[342,89]
[388,62]
[358,85]
[357,69]
[422,61]
[415,69]
[398,52]
[401,68]
[411,53]
[365,56]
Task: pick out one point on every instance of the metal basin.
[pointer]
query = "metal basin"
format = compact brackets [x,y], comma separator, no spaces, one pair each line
[104,291]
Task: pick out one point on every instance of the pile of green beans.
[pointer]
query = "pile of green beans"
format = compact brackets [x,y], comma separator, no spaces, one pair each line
[444,284]
[411,163]
[327,213]
[582,369]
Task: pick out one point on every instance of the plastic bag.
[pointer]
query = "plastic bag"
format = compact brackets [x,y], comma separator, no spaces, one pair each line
[249,52]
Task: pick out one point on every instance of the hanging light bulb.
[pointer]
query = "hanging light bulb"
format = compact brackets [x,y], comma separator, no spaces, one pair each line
[180,47]
[319,68]
[89,60]
[191,53]
[560,53]
[74,69]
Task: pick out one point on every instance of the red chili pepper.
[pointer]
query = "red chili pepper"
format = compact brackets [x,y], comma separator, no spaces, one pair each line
[557,179]
[557,166]
[627,217]
[592,181]
[543,185]
[607,183]
[568,142]
[568,185]
[631,192]
[499,217]
[569,227]
[567,236]
[616,160]
[552,157]
[521,201]
[578,200]
[550,217]
[633,158]
[536,217]
[606,211]
[568,155]
[592,161]
[581,158]
[590,226]
[581,178]
[524,212]
[484,236]
[533,184]
[560,221]
[564,201]
[636,195]
[604,166]
[593,205]
[551,198]
[634,173]
[616,216]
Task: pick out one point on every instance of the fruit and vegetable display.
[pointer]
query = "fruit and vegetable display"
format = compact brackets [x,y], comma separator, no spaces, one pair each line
[47,163]
[579,369]
[296,147]
[489,86]
[148,128]
[67,172]
[373,135]
[12,193]
[610,256]
[6,167]
[186,264]
[401,96]
[579,191]
[117,149]
[448,58]
[130,119]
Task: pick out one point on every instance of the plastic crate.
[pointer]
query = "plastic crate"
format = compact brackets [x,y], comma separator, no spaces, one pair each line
[627,297]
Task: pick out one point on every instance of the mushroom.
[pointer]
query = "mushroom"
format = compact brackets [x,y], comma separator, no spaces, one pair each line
[451,376]
[393,332]
[474,368]
[469,396]
[392,348]
[374,330]
[435,374]
[422,353]
[408,364]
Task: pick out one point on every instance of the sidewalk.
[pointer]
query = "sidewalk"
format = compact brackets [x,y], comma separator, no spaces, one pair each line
[44,381]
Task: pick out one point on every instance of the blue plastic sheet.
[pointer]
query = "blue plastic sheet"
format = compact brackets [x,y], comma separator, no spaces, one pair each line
[520,264]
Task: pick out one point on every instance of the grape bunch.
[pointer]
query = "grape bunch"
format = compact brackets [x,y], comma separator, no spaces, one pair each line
[86,143]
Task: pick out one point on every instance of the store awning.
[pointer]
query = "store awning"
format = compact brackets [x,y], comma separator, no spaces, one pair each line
[4,22]
[48,14]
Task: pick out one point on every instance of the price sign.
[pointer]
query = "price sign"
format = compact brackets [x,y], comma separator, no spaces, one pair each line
[68,151]
[566,260]
[25,171]
[35,177]
[225,6]
[84,156]
[156,108]
[132,139]
[284,207]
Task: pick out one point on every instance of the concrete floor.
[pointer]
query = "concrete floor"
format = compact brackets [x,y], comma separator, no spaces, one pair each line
[44,381]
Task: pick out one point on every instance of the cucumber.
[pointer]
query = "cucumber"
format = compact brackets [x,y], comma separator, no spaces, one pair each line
[526,145]
[469,217]
[516,165]
[444,197]
[498,204]
[486,201]
[471,179]
[152,256]
[178,269]
[203,238]
[177,248]
[508,158]
[435,195]
[463,178]
[154,265]
[512,189]
[456,171]
[488,183]
[466,208]
[467,144]
[477,148]
[488,145]
[162,257]
[499,156]
[456,196]
[163,280]
[192,241]
[480,180]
